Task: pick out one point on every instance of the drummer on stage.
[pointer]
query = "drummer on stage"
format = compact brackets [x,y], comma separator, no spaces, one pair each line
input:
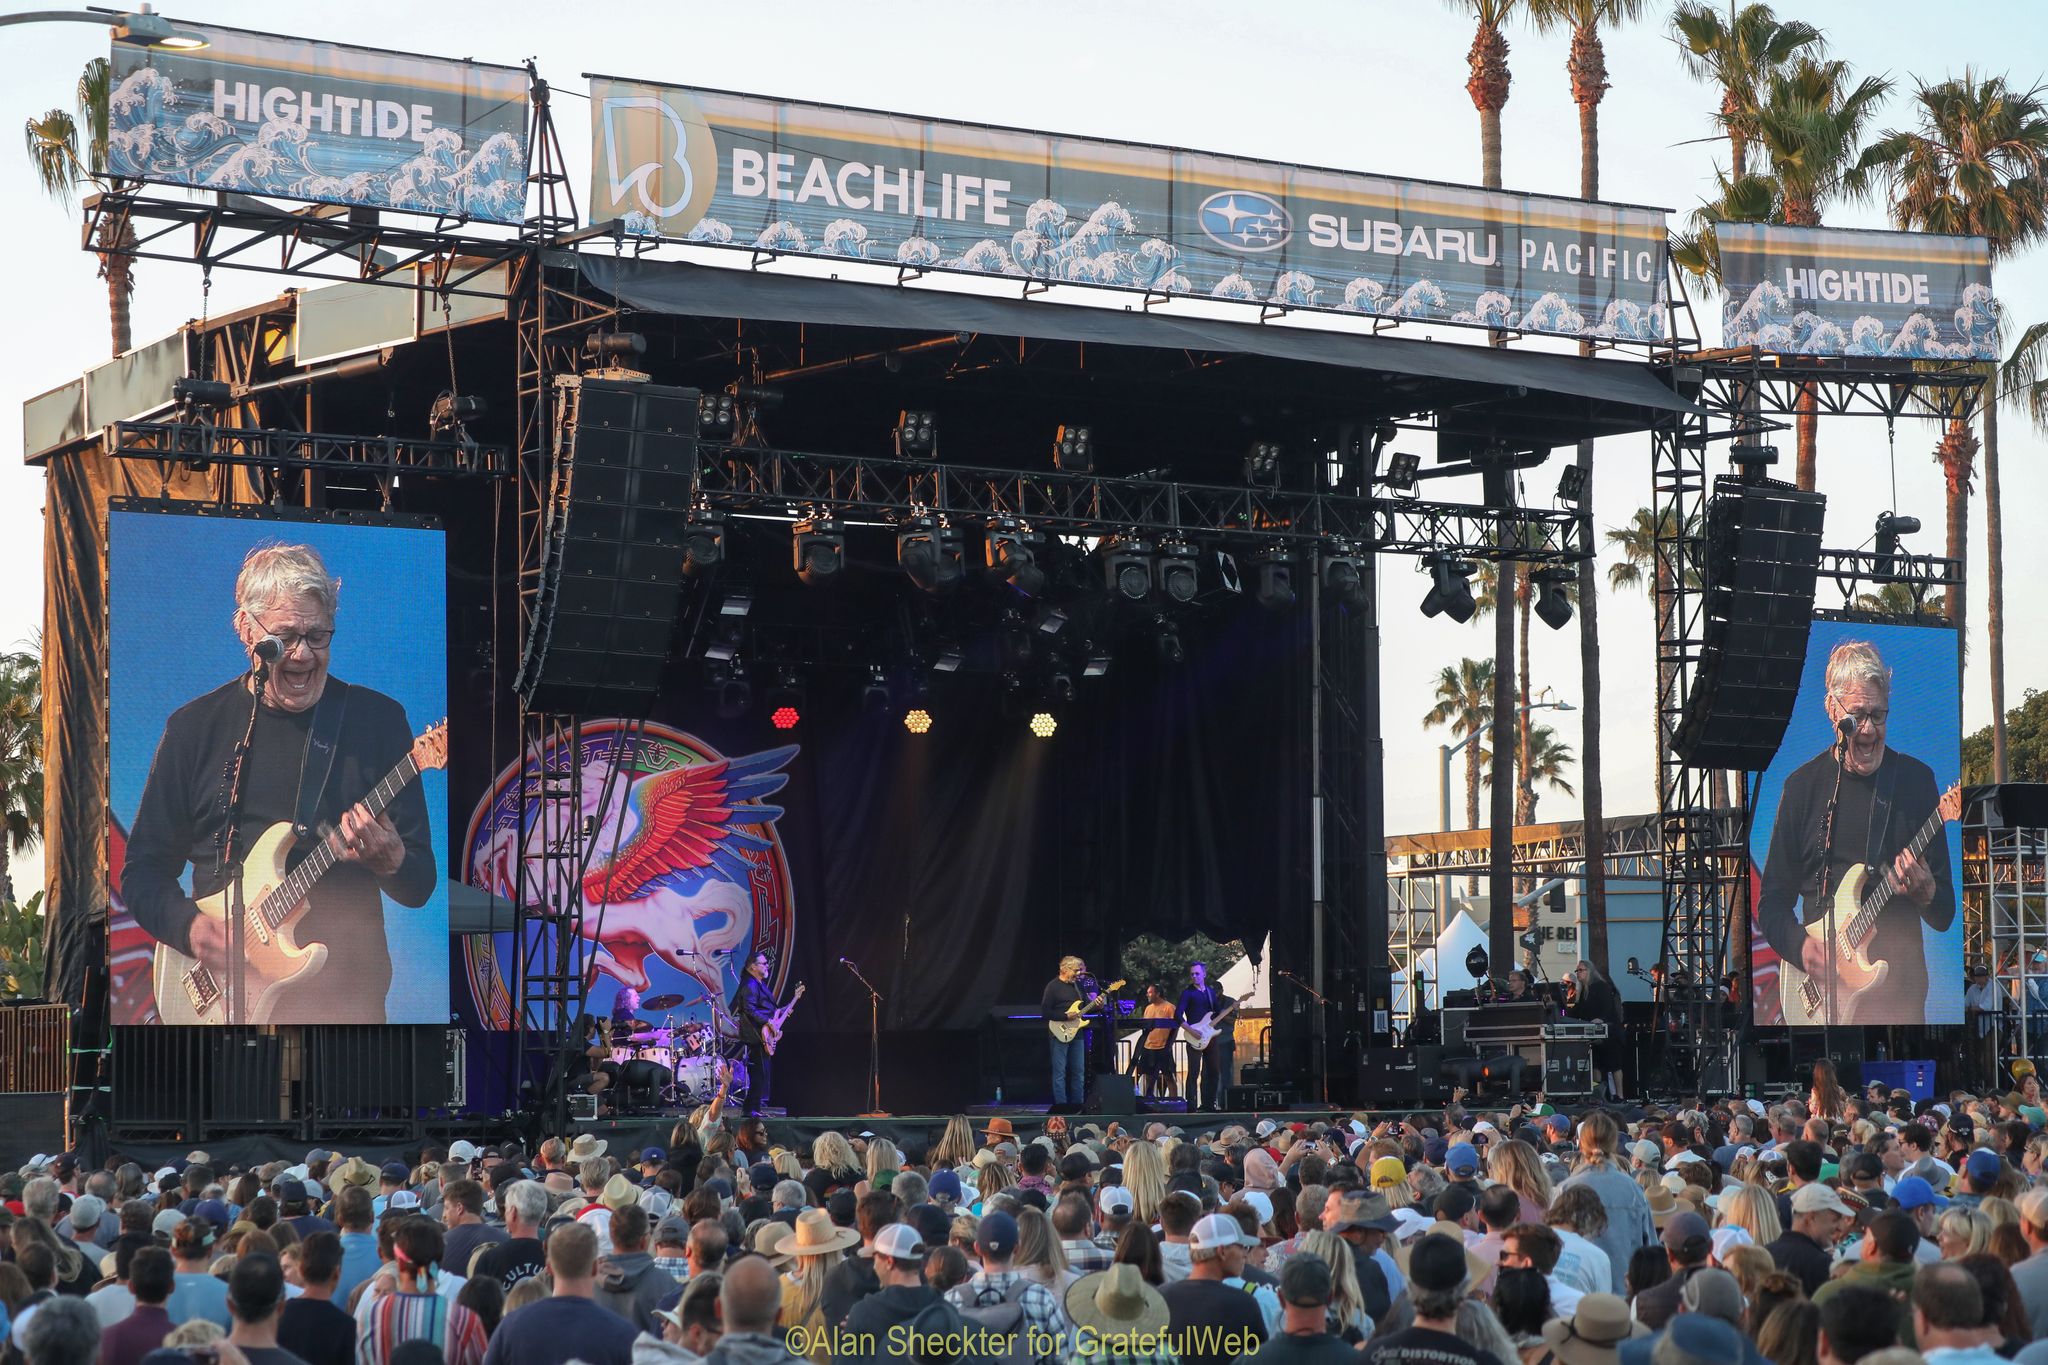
[626,1019]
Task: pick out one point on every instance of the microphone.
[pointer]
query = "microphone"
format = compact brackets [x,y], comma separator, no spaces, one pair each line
[1847,729]
[846,962]
[269,649]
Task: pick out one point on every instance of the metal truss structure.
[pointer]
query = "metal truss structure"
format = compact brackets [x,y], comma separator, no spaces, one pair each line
[1743,396]
[200,444]
[2005,920]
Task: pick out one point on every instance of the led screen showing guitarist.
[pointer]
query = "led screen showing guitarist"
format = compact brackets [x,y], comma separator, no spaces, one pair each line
[1869,867]
[332,820]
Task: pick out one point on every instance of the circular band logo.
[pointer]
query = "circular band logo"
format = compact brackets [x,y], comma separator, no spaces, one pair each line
[683,875]
[1245,220]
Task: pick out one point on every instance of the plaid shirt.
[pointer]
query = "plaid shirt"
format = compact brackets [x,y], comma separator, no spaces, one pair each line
[678,1267]
[1087,1256]
[1042,1310]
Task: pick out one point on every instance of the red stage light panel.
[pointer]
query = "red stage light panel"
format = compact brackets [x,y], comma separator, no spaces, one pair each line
[784,718]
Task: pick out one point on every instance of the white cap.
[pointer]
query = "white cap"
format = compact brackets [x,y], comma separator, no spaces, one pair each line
[1755,1107]
[462,1149]
[163,1171]
[1746,1149]
[1359,1129]
[1216,1230]
[1260,1204]
[403,1199]
[1680,1158]
[1266,1128]
[1115,1199]
[1411,1223]
[1484,1127]
[1728,1238]
[1644,1151]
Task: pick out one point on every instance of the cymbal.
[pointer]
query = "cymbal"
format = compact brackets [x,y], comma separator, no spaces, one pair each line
[661,1002]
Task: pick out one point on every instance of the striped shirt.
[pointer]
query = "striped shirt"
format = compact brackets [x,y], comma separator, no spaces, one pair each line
[401,1317]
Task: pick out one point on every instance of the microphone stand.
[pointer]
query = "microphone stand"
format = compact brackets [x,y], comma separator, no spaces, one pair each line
[236,984]
[1827,856]
[1322,1031]
[874,1042]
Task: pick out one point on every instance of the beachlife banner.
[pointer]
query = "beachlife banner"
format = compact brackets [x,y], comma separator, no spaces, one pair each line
[714,167]
[296,119]
[1835,291]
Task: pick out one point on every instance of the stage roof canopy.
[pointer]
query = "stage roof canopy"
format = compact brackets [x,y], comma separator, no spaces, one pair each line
[1547,399]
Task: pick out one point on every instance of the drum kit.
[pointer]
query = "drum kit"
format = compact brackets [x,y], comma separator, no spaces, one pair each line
[682,1057]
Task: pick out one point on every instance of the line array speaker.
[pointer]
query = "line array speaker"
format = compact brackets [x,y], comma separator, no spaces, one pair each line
[611,576]
[1763,554]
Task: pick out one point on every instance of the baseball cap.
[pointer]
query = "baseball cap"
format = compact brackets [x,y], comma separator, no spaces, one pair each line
[1435,1263]
[1266,1128]
[1702,1337]
[761,1175]
[1644,1151]
[462,1149]
[1983,1166]
[403,1199]
[1728,1238]
[86,1211]
[1260,1203]
[1115,1200]
[944,1185]
[997,1235]
[1463,1157]
[1686,1231]
[1819,1199]
[1557,1123]
[1913,1192]
[166,1222]
[1216,1230]
[393,1170]
[898,1241]
[1305,1282]
[674,1229]
[213,1211]
[1387,1172]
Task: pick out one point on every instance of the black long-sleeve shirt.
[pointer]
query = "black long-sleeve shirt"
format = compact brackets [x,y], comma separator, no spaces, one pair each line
[183,811]
[1059,997]
[755,1007]
[1874,821]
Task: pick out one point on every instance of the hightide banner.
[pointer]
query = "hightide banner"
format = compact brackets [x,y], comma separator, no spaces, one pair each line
[714,167]
[1837,292]
[296,119]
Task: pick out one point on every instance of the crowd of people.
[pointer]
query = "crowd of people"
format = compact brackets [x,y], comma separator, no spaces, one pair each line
[1828,1230]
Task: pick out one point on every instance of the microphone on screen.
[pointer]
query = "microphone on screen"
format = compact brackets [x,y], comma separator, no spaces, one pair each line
[269,649]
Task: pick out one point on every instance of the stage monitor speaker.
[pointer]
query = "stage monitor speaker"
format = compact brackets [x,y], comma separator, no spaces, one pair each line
[1112,1094]
[625,459]
[1762,557]
[1257,1099]
[1388,1078]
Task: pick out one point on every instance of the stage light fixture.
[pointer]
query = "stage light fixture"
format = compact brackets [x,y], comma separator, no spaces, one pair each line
[1404,467]
[735,695]
[929,554]
[704,543]
[1127,567]
[1015,639]
[1043,724]
[1178,570]
[1073,450]
[1752,459]
[1059,688]
[917,435]
[1096,661]
[717,416]
[201,395]
[1262,465]
[1011,557]
[947,657]
[874,693]
[785,700]
[1051,619]
[1166,636]
[1571,484]
[1553,605]
[819,549]
[613,349]
[727,639]
[452,413]
[736,602]
[1450,593]
[1344,577]
[1890,526]
[917,720]
[1273,579]
[783,717]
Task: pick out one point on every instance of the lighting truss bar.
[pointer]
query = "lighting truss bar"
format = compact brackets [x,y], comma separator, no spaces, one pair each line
[1767,386]
[1634,845]
[1848,569]
[740,479]
[229,235]
[269,448]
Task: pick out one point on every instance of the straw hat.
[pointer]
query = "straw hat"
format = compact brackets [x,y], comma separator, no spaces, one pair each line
[766,1239]
[1663,1203]
[815,1235]
[1116,1303]
[1477,1266]
[618,1193]
[354,1171]
[1593,1334]
[585,1147]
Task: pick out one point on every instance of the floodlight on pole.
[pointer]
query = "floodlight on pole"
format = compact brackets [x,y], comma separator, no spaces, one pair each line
[143,28]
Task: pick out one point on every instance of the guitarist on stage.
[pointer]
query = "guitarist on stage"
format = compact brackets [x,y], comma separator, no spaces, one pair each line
[1069,1059]
[757,1013]
[1886,797]
[285,597]
[1207,1067]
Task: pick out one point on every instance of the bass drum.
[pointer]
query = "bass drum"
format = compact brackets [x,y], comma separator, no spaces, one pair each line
[697,1079]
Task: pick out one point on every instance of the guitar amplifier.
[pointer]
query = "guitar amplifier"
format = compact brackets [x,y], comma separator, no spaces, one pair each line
[1568,1068]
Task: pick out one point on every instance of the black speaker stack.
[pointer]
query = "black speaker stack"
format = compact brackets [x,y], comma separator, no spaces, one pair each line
[1762,557]
[625,471]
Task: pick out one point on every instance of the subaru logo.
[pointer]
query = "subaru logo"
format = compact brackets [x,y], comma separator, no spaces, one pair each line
[1245,220]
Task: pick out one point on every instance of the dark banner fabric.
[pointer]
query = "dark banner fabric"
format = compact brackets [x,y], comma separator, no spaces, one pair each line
[716,167]
[291,118]
[1842,292]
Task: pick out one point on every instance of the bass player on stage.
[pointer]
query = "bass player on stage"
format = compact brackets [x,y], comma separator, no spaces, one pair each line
[285,597]
[760,1019]
[1208,1067]
[1887,797]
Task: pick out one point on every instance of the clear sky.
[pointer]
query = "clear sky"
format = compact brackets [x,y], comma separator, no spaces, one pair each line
[1376,85]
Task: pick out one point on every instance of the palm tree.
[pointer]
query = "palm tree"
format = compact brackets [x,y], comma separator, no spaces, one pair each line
[1488,86]
[61,166]
[1548,758]
[21,761]
[1896,599]
[1739,53]
[1586,65]
[1973,166]
[1464,703]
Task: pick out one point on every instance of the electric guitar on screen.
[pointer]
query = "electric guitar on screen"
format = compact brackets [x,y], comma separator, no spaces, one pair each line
[275,963]
[1863,893]
[1069,1028]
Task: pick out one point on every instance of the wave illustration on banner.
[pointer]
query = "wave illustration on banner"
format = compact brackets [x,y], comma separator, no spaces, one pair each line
[1768,319]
